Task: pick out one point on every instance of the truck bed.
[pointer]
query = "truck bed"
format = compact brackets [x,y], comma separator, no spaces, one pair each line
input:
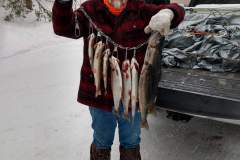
[200,92]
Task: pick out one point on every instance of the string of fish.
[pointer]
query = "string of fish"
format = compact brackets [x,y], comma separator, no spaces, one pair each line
[124,79]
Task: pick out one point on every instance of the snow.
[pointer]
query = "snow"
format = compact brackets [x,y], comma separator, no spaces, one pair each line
[39,82]
[25,37]
[41,119]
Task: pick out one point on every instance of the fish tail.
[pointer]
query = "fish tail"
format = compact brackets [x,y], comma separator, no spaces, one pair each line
[133,112]
[152,109]
[98,93]
[144,124]
[125,116]
[116,113]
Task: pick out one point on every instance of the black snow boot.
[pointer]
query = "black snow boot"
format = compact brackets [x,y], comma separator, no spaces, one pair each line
[99,154]
[130,154]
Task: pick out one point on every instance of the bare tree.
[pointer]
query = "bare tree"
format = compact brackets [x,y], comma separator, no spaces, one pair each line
[21,8]
[42,12]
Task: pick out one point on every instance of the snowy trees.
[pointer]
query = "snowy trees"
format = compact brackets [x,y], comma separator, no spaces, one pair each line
[42,12]
[15,8]
[21,8]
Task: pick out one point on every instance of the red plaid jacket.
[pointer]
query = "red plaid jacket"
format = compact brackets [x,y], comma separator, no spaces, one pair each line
[126,29]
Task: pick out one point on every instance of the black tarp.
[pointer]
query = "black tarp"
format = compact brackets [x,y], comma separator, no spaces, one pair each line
[209,41]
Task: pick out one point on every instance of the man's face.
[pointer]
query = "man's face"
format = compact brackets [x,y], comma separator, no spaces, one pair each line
[185,2]
[118,3]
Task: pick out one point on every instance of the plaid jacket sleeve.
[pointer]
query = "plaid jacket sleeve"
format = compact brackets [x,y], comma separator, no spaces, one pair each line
[150,9]
[63,20]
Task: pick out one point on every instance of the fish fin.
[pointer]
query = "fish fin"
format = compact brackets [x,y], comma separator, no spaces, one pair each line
[152,109]
[144,124]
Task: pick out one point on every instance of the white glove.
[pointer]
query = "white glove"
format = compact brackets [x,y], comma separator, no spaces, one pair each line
[160,22]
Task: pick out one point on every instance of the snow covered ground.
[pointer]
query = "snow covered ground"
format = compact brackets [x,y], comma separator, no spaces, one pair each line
[41,119]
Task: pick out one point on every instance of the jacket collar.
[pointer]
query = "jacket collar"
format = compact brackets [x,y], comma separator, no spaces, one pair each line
[101,6]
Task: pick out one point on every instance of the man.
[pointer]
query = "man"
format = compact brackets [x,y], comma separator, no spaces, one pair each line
[124,22]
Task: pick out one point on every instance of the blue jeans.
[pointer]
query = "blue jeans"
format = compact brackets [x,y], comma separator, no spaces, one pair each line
[105,123]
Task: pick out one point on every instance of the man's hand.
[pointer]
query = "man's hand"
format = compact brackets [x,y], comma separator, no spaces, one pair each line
[160,22]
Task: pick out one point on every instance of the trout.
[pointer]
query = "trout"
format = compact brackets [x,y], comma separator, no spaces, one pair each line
[97,67]
[91,44]
[107,53]
[116,84]
[134,79]
[126,97]
[150,76]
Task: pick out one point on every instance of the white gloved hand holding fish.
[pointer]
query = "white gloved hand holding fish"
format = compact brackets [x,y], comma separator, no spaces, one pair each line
[160,22]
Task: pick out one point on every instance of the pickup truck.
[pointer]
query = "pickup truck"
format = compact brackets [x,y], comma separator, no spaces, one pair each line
[184,92]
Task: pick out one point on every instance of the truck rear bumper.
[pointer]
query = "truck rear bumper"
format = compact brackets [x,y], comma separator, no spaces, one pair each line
[197,104]
[200,93]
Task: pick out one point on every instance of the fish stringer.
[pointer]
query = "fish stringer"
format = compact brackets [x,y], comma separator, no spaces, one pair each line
[77,30]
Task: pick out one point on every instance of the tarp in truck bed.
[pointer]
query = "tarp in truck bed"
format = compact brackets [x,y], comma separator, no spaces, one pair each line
[209,41]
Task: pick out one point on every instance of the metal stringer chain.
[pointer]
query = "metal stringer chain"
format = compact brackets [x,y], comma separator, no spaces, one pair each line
[77,27]
[99,31]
